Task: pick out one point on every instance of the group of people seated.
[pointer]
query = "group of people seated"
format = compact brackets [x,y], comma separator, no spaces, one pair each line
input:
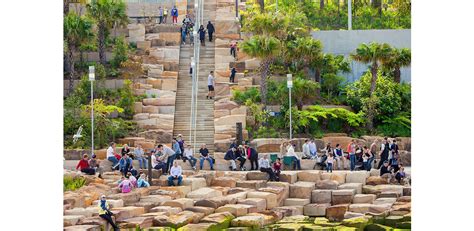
[129,182]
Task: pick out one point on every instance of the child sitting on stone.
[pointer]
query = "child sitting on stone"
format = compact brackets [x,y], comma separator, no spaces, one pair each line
[125,185]
[142,183]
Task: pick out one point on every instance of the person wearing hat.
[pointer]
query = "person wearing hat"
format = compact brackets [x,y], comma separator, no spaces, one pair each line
[94,164]
[84,167]
[105,213]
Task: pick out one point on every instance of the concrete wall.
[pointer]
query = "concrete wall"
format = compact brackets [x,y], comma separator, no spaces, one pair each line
[344,42]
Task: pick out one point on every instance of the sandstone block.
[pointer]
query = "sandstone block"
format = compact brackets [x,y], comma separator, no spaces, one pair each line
[357,177]
[252,221]
[336,212]
[357,187]
[168,209]
[195,183]
[289,176]
[235,209]
[270,198]
[204,193]
[252,184]
[321,196]
[376,180]
[342,196]
[315,210]
[301,189]
[182,203]
[289,210]
[296,202]
[224,182]
[259,203]
[364,198]
[327,184]
[309,176]
[359,208]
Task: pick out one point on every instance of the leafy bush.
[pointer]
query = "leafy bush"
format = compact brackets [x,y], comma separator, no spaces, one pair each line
[127,99]
[331,85]
[120,52]
[71,184]
[266,132]
[252,94]
[399,125]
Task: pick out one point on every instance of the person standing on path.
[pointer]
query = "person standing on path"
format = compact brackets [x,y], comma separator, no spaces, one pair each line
[338,156]
[232,75]
[210,85]
[174,14]
[233,49]
[160,15]
[351,149]
[165,15]
[210,30]
[384,150]
[183,34]
[202,35]
[252,155]
[104,212]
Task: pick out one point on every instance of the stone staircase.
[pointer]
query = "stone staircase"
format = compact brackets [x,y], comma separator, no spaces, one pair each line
[205,107]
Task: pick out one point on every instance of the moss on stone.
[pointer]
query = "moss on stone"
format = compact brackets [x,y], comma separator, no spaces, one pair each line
[290,227]
[407,217]
[404,225]
[344,228]
[393,220]
[377,227]
[321,221]
[295,219]
[317,228]
[357,222]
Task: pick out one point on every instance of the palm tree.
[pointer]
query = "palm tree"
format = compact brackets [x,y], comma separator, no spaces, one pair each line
[308,52]
[399,58]
[265,48]
[375,54]
[77,30]
[106,13]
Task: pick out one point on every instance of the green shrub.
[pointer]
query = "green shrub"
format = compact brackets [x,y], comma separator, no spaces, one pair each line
[127,99]
[120,52]
[252,94]
[71,184]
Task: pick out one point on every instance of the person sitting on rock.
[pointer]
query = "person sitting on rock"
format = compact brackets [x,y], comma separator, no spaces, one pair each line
[125,185]
[175,174]
[112,156]
[296,158]
[386,171]
[277,168]
[167,154]
[125,164]
[313,149]
[142,183]
[132,179]
[338,155]
[126,150]
[84,167]
[189,156]
[400,174]
[306,152]
[140,156]
[105,213]
[240,156]
[205,156]
[94,164]
[157,162]
[265,167]
[230,156]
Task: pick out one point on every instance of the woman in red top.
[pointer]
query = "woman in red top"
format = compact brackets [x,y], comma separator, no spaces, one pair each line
[83,165]
[277,169]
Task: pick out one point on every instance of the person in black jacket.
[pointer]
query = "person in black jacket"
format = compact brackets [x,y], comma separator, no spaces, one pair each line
[210,30]
[202,35]
[230,156]
[252,155]
[240,155]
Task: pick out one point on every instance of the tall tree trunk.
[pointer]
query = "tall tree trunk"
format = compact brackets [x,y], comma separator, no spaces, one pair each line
[71,67]
[397,75]
[262,5]
[373,81]
[317,79]
[321,4]
[265,69]
[101,38]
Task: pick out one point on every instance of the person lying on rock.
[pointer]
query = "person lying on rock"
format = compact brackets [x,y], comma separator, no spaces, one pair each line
[105,213]
[265,167]
[125,186]
[175,174]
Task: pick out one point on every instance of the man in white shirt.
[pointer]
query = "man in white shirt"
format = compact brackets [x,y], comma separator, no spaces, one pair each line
[175,173]
[111,157]
[265,167]
[306,152]
[188,154]
[210,85]
[313,150]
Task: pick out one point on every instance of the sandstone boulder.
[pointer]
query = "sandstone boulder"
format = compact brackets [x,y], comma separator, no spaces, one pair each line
[309,176]
[296,202]
[204,193]
[289,176]
[301,189]
[315,210]
[224,182]
[321,196]
[182,203]
[252,221]
[270,198]
[259,203]
[364,198]
[336,212]
[357,177]
[342,196]
[376,180]
[357,187]
[221,220]
[327,184]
